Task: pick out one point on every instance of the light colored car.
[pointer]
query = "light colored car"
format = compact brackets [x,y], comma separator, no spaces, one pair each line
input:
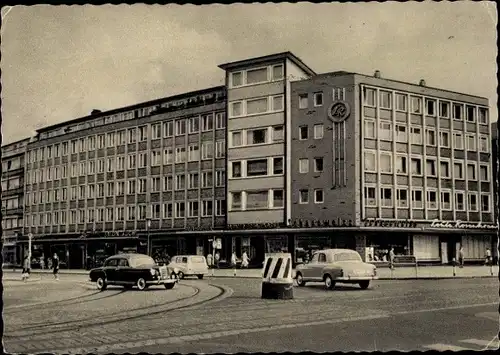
[188,265]
[333,266]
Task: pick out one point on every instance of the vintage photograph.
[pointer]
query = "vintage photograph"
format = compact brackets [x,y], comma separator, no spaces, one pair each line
[224,178]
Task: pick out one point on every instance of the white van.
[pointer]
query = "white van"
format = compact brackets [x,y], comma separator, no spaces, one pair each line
[189,265]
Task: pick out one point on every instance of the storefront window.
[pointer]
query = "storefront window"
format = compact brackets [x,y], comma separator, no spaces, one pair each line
[305,246]
[378,247]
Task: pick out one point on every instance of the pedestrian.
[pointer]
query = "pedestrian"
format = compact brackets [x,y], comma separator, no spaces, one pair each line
[391,258]
[210,260]
[233,262]
[488,257]
[42,263]
[217,259]
[26,269]
[55,265]
[461,257]
[244,260]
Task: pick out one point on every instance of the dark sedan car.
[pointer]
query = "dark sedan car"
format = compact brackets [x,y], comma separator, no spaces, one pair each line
[131,270]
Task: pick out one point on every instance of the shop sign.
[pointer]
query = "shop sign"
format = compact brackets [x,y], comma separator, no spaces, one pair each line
[461,225]
[255,226]
[217,243]
[393,224]
[339,111]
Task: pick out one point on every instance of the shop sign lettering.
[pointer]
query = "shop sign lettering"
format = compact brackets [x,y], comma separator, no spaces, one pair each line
[461,225]
[339,111]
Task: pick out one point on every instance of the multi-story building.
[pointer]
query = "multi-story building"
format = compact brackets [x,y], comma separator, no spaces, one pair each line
[494,148]
[312,160]
[12,199]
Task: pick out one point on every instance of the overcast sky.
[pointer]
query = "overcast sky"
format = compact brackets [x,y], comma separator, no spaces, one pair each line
[60,62]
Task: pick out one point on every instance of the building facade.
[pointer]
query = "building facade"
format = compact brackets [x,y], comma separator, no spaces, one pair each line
[12,199]
[494,148]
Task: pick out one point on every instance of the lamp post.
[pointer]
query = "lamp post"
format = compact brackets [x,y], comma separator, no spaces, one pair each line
[30,237]
[148,225]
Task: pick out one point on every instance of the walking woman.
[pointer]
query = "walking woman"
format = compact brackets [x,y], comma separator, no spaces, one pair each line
[55,265]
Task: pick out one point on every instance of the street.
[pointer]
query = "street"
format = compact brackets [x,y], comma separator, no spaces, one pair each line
[228,315]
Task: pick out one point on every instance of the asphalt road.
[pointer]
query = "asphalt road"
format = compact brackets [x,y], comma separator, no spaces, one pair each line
[228,315]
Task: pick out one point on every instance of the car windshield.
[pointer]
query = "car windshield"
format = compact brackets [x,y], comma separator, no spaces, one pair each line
[347,257]
[198,259]
[142,261]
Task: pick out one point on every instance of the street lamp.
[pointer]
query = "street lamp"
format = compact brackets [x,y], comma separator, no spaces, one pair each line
[148,225]
[30,237]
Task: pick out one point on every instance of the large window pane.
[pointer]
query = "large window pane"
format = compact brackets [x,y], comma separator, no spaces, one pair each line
[257,199]
[257,106]
[256,75]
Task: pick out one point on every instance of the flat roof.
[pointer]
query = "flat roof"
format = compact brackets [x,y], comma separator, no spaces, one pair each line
[256,60]
[20,141]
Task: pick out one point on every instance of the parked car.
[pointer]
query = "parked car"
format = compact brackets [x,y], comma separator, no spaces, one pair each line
[129,270]
[333,266]
[188,265]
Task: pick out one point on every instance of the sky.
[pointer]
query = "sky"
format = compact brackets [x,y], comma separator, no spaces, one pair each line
[60,62]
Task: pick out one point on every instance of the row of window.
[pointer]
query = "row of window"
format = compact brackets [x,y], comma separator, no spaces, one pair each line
[11,164]
[9,223]
[337,94]
[256,136]
[119,188]
[400,134]
[10,184]
[190,209]
[270,166]
[131,135]
[12,202]
[118,163]
[256,106]
[388,100]
[256,200]
[386,165]
[387,198]
[254,76]
[318,132]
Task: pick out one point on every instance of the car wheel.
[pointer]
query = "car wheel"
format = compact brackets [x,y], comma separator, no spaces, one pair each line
[300,280]
[329,283]
[101,284]
[141,284]
[170,285]
[180,275]
[200,277]
[364,284]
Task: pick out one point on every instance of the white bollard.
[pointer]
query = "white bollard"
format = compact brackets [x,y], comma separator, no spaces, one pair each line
[277,281]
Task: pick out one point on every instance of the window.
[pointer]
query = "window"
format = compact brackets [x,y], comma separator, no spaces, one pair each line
[416,135]
[236,139]
[143,160]
[167,210]
[444,139]
[458,170]
[303,101]
[122,137]
[255,76]
[168,156]
[155,184]
[180,182]
[236,79]
[110,137]
[402,196]
[483,144]
[444,169]
[194,124]
[385,131]
[220,149]
[416,199]
[120,164]
[236,108]
[369,97]
[65,148]
[206,179]
[385,163]
[278,199]
[483,173]
[156,130]
[430,137]
[318,165]
[155,158]
[370,161]
[471,142]
[180,209]
[131,187]
[304,166]
[318,99]
[416,105]
[485,203]
[416,166]
[401,102]
[318,131]
[471,113]
[132,135]
[386,196]
[401,165]
[278,133]
[220,120]
[257,136]
[220,207]
[142,212]
[457,111]
[303,133]
[110,164]
[100,190]
[193,181]
[303,196]
[193,209]
[432,203]
[472,202]
[370,196]
[207,208]
[120,188]
[444,109]
[235,201]
[370,129]
[257,200]
[277,72]
[385,99]
[318,196]
[142,186]
[193,152]
[459,201]
[207,122]
[430,167]
[131,213]
[446,200]
[277,102]
[430,107]
[167,183]
[458,139]
[168,129]
[257,167]
[236,169]
[180,127]
[220,178]
[277,166]
[471,171]
[256,106]
[401,135]
[73,146]
[207,150]
[180,155]
[483,115]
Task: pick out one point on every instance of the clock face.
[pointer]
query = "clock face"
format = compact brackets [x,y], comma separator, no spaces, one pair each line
[339,111]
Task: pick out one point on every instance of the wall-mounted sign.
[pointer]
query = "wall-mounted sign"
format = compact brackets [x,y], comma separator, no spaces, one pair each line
[339,111]
[461,225]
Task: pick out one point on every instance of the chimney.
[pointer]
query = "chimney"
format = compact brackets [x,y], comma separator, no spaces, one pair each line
[377,74]
[95,112]
[422,82]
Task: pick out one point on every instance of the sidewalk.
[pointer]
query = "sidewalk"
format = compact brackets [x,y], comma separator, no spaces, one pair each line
[402,273]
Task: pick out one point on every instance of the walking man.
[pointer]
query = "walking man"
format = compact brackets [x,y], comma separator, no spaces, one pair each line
[55,265]
[488,257]
[26,268]
[391,258]
[244,260]
[461,256]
